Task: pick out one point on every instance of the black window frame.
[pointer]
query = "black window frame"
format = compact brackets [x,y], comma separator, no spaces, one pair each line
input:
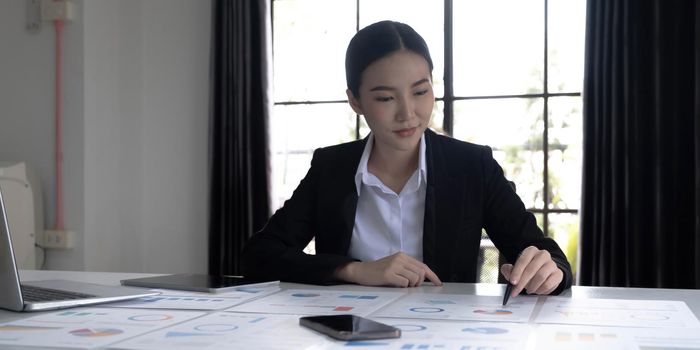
[449,98]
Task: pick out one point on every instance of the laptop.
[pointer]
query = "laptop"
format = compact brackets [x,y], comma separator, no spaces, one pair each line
[54,294]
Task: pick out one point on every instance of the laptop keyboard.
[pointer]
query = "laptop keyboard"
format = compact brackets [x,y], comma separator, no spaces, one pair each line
[32,293]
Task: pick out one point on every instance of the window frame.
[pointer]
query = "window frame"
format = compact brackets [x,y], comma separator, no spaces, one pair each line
[449,98]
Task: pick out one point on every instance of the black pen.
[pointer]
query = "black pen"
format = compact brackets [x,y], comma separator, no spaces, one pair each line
[509,289]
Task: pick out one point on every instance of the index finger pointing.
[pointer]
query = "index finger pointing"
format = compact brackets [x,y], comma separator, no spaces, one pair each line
[521,263]
[432,276]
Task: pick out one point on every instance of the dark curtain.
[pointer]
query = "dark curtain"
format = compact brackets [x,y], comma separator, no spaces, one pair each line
[239,112]
[640,217]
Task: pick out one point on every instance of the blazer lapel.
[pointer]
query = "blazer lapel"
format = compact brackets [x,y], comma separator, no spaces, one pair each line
[349,207]
[440,196]
[429,218]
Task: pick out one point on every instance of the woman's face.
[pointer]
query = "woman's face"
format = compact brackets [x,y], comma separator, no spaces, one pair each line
[396,99]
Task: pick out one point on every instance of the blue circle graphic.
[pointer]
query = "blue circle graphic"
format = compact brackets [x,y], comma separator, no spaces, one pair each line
[410,327]
[216,327]
[427,310]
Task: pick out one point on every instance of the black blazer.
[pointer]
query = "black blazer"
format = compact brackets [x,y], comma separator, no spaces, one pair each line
[466,191]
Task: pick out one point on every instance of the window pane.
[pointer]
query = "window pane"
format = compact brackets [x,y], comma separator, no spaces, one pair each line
[565,152]
[487,266]
[565,33]
[539,217]
[294,135]
[309,49]
[498,47]
[564,229]
[364,128]
[438,117]
[513,128]
[426,17]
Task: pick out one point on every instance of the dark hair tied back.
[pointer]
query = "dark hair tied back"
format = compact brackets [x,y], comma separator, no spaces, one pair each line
[377,41]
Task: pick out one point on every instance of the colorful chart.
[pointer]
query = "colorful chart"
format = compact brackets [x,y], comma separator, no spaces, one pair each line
[485,330]
[428,310]
[458,307]
[361,297]
[88,328]
[173,300]
[74,318]
[443,335]
[305,295]
[617,312]
[316,302]
[96,332]
[153,317]
[499,312]
[582,337]
[587,337]
[343,308]
[224,330]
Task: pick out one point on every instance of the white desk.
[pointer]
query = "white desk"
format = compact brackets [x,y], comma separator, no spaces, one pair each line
[690,297]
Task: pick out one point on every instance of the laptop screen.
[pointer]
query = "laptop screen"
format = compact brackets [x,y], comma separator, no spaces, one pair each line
[10,293]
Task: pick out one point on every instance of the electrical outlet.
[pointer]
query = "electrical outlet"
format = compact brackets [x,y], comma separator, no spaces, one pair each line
[58,239]
[52,10]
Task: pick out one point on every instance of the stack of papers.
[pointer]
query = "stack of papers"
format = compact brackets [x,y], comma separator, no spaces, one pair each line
[268,318]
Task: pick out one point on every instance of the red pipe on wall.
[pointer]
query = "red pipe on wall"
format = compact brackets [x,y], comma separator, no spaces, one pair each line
[58,113]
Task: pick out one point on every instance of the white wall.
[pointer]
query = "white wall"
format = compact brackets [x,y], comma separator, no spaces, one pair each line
[135,129]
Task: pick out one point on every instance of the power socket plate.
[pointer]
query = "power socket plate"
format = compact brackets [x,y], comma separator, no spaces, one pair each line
[58,239]
[52,10]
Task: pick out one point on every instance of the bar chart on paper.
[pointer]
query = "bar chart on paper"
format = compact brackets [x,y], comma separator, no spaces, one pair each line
[169,299]
[565,337]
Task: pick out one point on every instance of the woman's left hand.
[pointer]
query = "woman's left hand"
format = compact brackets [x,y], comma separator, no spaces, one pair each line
[534,271]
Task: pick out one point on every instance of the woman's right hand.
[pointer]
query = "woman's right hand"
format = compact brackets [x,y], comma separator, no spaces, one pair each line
[399,270]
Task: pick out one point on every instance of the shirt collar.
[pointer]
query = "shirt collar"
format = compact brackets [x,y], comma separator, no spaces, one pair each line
[362,166]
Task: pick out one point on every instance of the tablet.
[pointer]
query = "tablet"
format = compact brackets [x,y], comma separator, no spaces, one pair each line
[197,282]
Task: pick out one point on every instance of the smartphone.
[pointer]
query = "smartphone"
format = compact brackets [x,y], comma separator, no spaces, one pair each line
[350,327]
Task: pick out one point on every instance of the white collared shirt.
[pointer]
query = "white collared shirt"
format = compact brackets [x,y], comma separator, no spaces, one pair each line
[387,222]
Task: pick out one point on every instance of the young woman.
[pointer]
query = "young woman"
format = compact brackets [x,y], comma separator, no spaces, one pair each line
[404,204]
